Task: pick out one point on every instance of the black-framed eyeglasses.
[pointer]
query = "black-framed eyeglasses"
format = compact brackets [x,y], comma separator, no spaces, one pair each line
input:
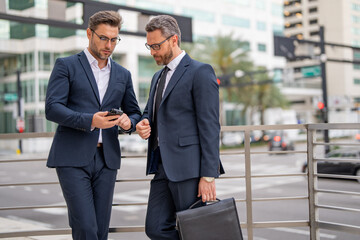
[156,46]
[104,39]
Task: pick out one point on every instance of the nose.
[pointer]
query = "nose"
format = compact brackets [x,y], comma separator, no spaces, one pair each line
[108,44]
[152,51]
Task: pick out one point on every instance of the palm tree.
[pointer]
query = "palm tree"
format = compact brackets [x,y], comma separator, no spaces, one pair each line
[252,90]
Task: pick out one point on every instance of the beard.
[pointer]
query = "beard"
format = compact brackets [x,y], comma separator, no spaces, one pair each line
[164,59]
[97,52]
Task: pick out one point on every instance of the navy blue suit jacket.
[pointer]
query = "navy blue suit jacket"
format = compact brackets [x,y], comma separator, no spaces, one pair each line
[188,122]
[72,98]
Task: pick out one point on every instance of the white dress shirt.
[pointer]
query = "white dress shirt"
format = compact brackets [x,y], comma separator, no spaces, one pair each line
[102,77]
[172,67]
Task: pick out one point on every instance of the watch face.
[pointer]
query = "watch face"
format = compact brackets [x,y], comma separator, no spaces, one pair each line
[209,179]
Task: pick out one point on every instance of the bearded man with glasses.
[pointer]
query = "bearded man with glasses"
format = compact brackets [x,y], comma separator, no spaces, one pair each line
[181,121]
[85,150]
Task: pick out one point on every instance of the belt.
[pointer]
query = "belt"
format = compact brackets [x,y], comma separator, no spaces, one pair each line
[99,145]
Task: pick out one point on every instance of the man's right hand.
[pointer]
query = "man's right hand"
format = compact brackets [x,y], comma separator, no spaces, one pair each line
[143,128]
[101,121]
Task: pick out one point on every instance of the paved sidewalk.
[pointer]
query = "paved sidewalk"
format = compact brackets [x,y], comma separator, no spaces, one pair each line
[10,225]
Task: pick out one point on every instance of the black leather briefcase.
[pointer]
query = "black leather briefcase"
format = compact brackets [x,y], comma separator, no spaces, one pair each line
[215,221]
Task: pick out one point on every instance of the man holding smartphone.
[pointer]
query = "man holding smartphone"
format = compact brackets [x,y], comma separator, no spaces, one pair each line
[82,89]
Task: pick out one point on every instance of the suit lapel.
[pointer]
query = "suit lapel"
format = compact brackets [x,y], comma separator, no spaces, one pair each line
[85,64]
[180,70]
[152,93]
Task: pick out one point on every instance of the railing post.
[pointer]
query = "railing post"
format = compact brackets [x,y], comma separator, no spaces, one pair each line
[312,186]
[249,212]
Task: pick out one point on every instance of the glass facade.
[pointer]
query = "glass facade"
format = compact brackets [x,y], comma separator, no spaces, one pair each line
[199,15]
[235,21]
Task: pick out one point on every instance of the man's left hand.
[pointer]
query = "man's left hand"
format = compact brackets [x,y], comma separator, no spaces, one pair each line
[207,190]
[124,122]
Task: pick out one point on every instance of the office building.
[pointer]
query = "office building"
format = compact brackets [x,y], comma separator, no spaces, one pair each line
[33,48]
[341,22]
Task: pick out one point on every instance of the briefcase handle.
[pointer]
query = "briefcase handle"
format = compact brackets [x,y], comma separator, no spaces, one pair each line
[206,203]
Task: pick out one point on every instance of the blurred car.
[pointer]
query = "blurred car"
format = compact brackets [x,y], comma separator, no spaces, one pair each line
[343,167]
[232,139]
[280,142]
[133,144]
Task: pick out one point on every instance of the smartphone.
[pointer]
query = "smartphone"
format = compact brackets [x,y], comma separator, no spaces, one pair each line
[114,112]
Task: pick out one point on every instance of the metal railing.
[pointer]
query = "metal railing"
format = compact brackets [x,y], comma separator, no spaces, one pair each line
[313,222]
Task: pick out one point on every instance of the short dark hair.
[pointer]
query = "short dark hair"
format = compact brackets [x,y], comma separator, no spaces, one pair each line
[111,18]
[167,25]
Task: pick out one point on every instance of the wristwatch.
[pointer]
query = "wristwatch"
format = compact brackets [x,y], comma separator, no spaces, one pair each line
[208,179]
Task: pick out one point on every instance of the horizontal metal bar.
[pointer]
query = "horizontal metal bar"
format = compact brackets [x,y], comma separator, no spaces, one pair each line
[279,175]
[335,144]
[337,176]
[278,152]
[7,136]
[31,207]
[333,126]
[262,127]
[339,227]
[65,231]
[275,224]
[23,160]
[281,198]
[337,160]
[338,208]
[231,177]
[337,192]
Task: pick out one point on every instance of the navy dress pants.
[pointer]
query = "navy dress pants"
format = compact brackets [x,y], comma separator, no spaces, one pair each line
[165,199]
[88,192]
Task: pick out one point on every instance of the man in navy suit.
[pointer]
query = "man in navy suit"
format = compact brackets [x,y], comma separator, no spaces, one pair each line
[85,150]
[181,120]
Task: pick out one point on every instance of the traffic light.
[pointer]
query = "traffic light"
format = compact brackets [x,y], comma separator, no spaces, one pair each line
[321,105]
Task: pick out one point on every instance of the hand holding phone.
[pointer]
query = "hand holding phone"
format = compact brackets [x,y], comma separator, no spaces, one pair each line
[114,112]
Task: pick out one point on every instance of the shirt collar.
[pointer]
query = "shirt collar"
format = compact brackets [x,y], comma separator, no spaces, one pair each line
[93,60]
[175,62]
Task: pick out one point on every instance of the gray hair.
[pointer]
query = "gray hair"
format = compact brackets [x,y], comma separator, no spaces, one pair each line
[166,24]
[111,18]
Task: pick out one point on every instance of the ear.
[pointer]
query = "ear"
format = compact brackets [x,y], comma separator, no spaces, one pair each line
[175,39]
[88,33]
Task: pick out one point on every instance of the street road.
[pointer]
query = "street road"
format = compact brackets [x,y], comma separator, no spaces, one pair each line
[138,192]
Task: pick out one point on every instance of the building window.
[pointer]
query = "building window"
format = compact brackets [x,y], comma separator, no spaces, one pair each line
[357,81]
[147,67]
[313,10]
[261,26]
[144,88]
[278,30]
[277,9]
[356,66]
[356,31]
[145,4]
[199,15]
[355,19]
[355,7]
[43,83]
[45,61]
[261,47]
[315,33]
[261,4]
[313,21]
[235,21]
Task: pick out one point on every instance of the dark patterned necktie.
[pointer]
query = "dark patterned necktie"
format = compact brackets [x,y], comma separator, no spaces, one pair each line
[158,99]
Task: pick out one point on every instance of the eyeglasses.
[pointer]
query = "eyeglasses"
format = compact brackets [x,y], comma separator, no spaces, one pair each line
[156,46]
[104,39]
